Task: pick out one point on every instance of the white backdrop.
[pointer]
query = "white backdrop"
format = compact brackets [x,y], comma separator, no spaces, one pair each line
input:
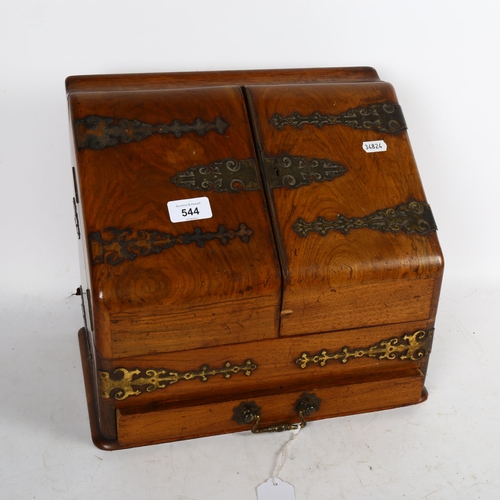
[441,57]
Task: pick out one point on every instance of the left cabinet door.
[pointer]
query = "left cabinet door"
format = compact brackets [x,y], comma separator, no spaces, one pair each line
[180,250]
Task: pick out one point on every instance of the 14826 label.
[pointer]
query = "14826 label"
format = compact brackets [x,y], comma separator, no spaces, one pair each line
[374,146]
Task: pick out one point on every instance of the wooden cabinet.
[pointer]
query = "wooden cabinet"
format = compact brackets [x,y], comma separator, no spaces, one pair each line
[250,240]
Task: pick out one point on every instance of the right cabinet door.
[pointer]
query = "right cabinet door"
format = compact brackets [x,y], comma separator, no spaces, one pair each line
[355,234]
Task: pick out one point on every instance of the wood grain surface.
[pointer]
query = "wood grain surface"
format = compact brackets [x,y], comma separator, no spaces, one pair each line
[276,361]
[128,186]
[365,277]
[174,423]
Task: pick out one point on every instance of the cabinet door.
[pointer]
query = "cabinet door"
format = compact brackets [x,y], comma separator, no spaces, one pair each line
[356,237]
[180,249]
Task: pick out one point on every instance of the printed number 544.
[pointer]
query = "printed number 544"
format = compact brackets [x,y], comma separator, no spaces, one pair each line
[190,211]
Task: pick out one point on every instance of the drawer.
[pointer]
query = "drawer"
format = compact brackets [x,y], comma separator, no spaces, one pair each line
[188,420]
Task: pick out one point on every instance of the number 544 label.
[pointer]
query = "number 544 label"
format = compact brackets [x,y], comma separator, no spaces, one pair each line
[190,209]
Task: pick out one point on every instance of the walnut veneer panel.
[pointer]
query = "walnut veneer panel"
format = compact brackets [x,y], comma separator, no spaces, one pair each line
[167,278]
[353,274]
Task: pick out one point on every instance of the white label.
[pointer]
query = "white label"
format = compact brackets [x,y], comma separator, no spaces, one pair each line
[374,146]
[190,209]
[275,489]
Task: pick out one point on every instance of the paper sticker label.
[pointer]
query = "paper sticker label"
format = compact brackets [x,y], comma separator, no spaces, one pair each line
[190,209]
[374,146]
[275,489]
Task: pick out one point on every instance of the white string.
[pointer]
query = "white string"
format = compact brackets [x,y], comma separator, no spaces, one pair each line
[283,454]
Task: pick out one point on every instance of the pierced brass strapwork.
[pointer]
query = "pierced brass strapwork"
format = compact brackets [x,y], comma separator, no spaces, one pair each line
[233,176]
[414,217]
[409,347]
[296,171]
[382,117]
[225,176]
[135,382]
[126,244]
[99,132]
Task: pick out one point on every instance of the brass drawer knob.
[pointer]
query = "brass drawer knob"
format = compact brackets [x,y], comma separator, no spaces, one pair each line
[248,412]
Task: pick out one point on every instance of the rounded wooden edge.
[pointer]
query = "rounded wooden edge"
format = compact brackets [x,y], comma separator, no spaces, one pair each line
[145,81]
[425,395]
[97,439]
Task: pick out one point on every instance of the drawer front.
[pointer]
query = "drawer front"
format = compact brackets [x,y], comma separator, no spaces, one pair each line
[206,418]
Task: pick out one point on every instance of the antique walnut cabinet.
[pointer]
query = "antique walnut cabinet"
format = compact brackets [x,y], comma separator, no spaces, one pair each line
[257,251]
